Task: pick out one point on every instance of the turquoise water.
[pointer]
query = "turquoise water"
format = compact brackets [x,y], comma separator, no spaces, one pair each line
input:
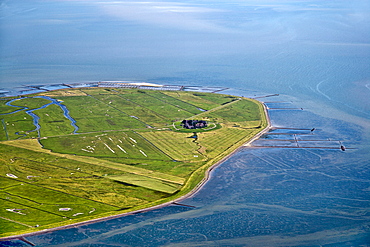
[315,54]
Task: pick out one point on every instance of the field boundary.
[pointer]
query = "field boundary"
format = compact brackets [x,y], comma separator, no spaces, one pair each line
[188,193]
[164,189]
[96,161]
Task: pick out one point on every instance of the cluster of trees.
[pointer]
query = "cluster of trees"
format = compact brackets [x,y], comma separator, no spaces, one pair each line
[193,124]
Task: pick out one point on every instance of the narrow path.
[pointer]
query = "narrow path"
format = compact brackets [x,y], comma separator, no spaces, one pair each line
[5,130]
[33,144]
[168,102]
[20,223]
[216,108]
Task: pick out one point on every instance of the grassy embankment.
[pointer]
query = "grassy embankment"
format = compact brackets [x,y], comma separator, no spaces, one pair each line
[126,155]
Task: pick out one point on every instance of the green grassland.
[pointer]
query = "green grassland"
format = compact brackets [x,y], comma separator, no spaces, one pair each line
[126,144]
[202,100]
[16,126]
[239,111]
[94,115]
[4,109]
[53,122]
[175,102]
[30,103]
[186,149]
[129,152]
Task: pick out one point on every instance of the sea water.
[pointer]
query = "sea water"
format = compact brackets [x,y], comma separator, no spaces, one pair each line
[314,54]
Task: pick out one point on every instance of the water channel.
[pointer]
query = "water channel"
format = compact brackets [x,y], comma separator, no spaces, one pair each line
[314,53]
[36,118]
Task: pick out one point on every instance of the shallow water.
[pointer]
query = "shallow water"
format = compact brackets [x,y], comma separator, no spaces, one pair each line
[258,197]
[315,54]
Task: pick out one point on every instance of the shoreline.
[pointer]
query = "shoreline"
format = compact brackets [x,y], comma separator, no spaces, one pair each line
[34,89]
[191,193]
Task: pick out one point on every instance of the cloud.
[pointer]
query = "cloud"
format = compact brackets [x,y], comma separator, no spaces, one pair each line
[164,14]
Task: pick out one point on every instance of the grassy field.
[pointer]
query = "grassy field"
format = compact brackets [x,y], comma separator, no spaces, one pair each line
[52,122]
[5,109]
[184,106]
[30,103]
[126,155]
[92,114]
[126,144]
[186,149]
[202,100]
[238,112]
[209,141]
[18,125]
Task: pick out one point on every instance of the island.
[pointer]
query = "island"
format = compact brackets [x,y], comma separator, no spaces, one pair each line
[77,155]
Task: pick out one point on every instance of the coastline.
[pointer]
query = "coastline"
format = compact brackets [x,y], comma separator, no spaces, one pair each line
[209,170]
[191,193]
[32,89]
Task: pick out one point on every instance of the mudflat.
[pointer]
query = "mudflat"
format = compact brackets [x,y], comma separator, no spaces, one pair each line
[74,156]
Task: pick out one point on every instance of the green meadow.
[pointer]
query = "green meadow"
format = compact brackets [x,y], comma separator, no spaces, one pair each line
[130,151]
